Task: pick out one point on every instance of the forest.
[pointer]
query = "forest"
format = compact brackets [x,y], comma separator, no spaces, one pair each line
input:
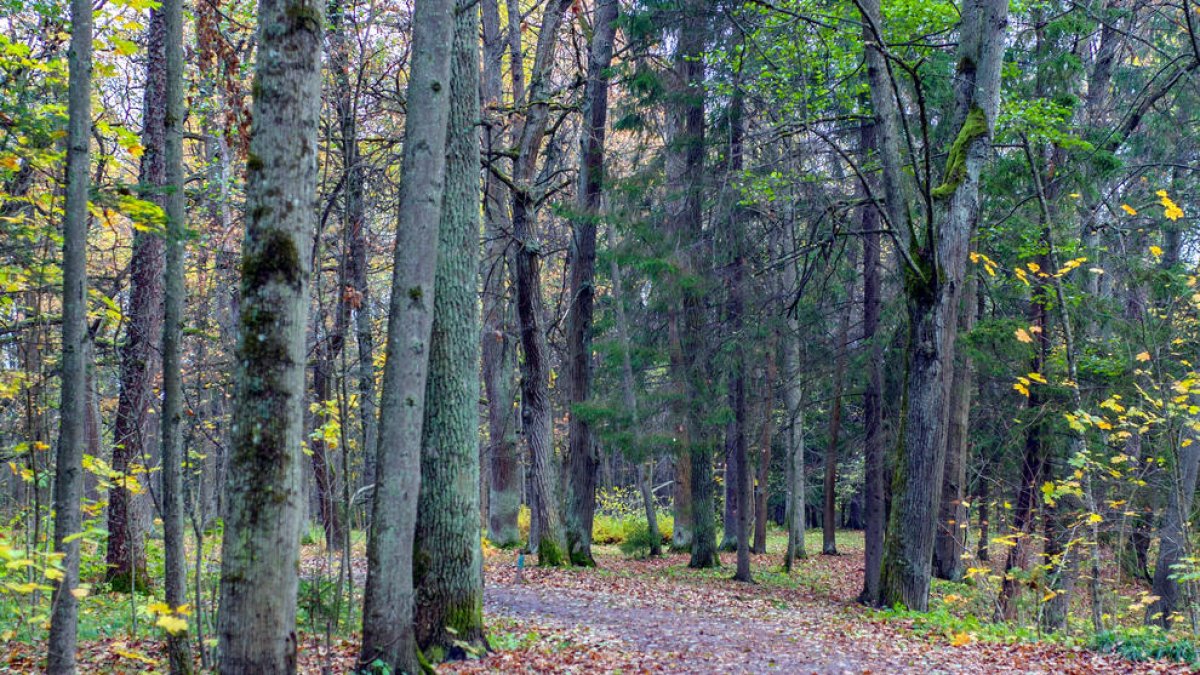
[599,336]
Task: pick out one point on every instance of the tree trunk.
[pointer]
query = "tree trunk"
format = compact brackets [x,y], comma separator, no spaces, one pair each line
[764,456]
[1173,544]
[581,453]
[933,282]
[536,413]
[797,482]
[353,290]
[68,468]
[873,442]
[175,558]
[127,519]
[448,570]
[951,541]
[262,526]
[829,511]
[388,635]
[498,350]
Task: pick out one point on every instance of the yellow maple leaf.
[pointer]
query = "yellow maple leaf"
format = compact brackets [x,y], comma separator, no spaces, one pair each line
[960,639]
[1144,356]
[1037,377]
[1156,251]
[1023,335]
[79,593]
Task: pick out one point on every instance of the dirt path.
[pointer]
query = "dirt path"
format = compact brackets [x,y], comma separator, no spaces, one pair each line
[687,640]
[656,617]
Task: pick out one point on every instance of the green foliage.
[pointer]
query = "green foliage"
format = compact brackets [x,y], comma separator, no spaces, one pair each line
[1145,643]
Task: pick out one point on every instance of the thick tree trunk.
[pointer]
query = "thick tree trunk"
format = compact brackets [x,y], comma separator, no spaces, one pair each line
[388,635]
[951,541]
[171,436]
[933,284]
[581,454]
[68,468]
[127,517]
[448,570]
[260,548]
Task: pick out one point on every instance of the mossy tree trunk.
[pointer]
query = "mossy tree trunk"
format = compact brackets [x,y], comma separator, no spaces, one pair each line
[260,549]
[388,633]
[935,269]
[68,468]
[448,560]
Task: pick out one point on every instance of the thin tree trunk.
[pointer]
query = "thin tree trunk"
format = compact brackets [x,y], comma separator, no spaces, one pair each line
[388,634]
[171,436]
[498,350]
[260,549]
[1173,544]
[68,471]
[829,511]
[645,470]
[873,441]
[581,453]
[127,521]
[448,573]
[765,440]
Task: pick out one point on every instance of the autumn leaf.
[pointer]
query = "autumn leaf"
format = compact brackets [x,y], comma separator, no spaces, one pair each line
[1129,209]
[960,639]
[172,624]
[1144,356]
[1023,335]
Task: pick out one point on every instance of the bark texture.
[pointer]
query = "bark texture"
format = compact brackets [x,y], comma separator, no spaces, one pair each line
[582,460]
[127,521]
[448,560]
[72,436]
[933,281]
[260,548]
[388,635]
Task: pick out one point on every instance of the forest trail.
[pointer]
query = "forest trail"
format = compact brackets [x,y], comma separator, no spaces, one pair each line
[658,616]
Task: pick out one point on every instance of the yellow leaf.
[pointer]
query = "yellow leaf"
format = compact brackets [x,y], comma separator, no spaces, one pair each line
[1129,209]
[1022,389]
[172,624]
[158,608]
[1037,377]
[960,639]
[54,574]
[10,162]
[1156,251]
[1023,335]
[1095,518]
[79,593]
[1144,356]
[135,656]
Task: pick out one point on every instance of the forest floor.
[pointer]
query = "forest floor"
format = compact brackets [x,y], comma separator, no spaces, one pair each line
[657,616]
[634,616]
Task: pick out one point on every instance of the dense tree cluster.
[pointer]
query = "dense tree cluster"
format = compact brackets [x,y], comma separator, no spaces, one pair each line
[409,271]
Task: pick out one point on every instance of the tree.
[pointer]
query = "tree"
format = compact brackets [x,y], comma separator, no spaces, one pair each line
[68,467]
[178,647]
[260,547]
[581,454]
[127,520]
[935,270]
[388,635]
[448,568]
